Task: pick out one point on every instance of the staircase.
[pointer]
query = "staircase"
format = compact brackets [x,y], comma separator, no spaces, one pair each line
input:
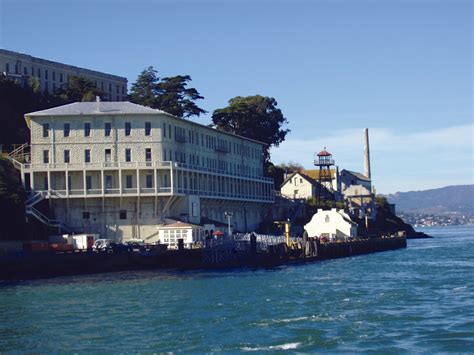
[18,155]
[47,221]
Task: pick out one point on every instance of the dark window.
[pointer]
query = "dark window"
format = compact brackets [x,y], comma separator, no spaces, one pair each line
[46,74]
[117,91]
[7,68]
[61,77]
[16,69]
[149,181]
[128,128]
[147,128]
[67,128]
[88,182]
[87,156]
[54,75]
[164,129]
[86,215]
[66,156]
[102,86]
[123,214]
[46,156]
[45,130]
[87,129]
[39,73]
[25,71]
[148,154]
[128,181]
[108,128]
[169,131]
[128,155]
[108,181]
[110,88]
[123,90]
[108,155]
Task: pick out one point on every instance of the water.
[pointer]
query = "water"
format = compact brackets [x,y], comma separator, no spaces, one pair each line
[419,299]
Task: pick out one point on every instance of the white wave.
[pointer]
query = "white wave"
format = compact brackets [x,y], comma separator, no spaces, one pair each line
[287,346]
[459,289]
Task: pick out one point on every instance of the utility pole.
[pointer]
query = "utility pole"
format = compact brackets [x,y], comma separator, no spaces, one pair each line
[229,216]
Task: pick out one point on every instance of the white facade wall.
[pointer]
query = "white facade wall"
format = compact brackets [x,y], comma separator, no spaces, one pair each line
[333,224]
[53,75]
[298,187]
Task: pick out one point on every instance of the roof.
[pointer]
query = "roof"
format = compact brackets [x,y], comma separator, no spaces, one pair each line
[178,224]
[357,175]
[312,176]
[324,153]
[96,108]
[117,108]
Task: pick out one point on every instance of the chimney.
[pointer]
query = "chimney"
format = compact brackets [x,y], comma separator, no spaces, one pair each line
[97,103]
[366,154]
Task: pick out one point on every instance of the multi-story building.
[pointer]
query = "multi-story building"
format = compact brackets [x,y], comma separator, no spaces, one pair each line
[53,75]
[119,169]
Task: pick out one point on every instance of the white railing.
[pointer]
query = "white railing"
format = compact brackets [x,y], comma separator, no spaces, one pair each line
[45,220]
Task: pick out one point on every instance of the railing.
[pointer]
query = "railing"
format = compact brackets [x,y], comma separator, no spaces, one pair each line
[45,220]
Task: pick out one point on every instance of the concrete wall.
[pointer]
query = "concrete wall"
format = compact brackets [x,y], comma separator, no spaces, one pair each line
[298,187]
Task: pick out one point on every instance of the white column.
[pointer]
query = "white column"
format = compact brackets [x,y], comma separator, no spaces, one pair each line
[32,180]
[84,185]
[172,179]
[102,181]
[66,176]
[138,181]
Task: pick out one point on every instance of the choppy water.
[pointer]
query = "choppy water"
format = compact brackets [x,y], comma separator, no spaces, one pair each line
[418,299]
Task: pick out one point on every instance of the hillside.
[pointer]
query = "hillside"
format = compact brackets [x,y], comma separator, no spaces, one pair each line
[445,200]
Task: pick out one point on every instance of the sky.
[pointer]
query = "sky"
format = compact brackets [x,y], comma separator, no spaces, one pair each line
[402,68]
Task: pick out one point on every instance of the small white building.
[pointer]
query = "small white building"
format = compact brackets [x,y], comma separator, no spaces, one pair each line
[333,224]
[170,232]
[305,184]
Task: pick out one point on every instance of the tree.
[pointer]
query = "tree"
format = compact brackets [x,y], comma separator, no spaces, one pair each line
[255,117]
[169,94]
[291,167]
[145,89]
[79,89]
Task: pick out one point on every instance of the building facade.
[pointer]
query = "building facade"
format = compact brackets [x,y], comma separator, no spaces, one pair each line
[332,224]
[305,184]
[119,169]
[53,75]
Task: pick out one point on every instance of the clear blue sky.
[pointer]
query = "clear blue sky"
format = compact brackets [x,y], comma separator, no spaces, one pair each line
[403,68]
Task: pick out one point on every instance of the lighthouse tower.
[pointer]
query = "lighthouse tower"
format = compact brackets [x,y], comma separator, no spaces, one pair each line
[324,161]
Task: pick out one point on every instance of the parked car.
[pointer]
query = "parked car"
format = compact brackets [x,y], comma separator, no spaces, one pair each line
[102,245]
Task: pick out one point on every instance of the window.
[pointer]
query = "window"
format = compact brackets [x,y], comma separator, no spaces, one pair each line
[108,155]
[88,182]
[67,128]
[87,156]
[7,68]
[147,128]
[108,181]
[149,181]
[169,131]
[46,74]
[164,130]
[102,86]
[16,69]
[60,77]
[123,90]
[66,156]
[45,183]
[128,155]
[123,214]
[45,130]
[110,87]
[54,75]
[86,215]
[301,181]
[46,156]
[32,71]
[39,73]
[128,128]
[117,91]
[326,219]
[148,154]
[107,129]
[87,129]
[128,181]
[25,71]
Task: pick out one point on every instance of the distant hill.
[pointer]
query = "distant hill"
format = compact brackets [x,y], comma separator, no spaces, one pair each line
[445,200]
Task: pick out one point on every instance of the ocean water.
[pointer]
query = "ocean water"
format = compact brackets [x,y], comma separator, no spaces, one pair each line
[416,300]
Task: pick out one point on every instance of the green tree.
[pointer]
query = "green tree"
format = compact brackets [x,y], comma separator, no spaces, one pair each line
[145,88]
[169,94]
[291,167]
[255,117]
[78,89]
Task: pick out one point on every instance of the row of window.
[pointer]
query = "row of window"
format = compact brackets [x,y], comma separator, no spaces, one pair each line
[87,155]
[62,78]
[87,129]
[122,214]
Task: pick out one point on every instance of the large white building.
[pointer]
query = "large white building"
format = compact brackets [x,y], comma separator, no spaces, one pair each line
[53,75]
[120,169]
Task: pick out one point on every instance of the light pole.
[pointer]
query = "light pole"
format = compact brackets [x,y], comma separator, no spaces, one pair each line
[229,216]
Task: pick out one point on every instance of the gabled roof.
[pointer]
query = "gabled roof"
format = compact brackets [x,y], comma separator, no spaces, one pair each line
[357,175]
[96,108]
[304,176]
[178,224]
[312,176]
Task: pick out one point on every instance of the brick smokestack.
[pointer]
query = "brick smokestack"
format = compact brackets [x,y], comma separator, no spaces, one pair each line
[366,154]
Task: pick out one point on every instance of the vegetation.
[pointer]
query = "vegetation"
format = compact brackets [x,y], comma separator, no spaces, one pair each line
[256,117]
[12,201]
[169,94]
[78,89]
